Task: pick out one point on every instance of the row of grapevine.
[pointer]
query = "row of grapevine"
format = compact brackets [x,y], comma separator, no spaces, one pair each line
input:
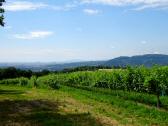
[138,79]
[33,82]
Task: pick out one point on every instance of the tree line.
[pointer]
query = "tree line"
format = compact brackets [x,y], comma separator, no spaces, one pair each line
[89,68]
[12,72]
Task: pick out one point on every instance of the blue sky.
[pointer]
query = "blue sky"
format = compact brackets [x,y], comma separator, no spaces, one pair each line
[67,30]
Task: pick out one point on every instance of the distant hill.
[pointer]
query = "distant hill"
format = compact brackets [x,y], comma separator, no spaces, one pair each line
[147,60]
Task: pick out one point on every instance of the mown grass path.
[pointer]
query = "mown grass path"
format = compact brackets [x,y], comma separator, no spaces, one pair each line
[21,106]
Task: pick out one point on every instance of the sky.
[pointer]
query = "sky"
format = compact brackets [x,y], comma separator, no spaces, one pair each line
[72,30]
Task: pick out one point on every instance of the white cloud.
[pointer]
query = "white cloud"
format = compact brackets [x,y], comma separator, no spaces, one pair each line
[65,7]
[106,2]
[23,6]
[33,35]
[91,11]
[27,6]
[138,4]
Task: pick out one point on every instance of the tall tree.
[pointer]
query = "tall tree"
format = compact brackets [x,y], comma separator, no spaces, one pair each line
[1,13]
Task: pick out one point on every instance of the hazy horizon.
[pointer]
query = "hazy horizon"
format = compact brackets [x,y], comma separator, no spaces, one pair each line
[68,61]
[86,30]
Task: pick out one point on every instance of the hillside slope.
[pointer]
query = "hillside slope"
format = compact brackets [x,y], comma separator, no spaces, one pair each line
[146,60]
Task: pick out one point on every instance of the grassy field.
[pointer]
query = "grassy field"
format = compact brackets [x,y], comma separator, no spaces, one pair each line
[68,106]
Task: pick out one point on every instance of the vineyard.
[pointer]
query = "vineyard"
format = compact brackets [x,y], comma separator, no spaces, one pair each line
[140,91]
[138,79]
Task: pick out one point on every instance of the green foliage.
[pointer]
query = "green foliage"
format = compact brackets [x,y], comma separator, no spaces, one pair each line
[10,81]
[23,81]
[133,79]
[17,81]
[12,72]
[137,79]
[157,82]
[1,12]
[54,84]
[33,82]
